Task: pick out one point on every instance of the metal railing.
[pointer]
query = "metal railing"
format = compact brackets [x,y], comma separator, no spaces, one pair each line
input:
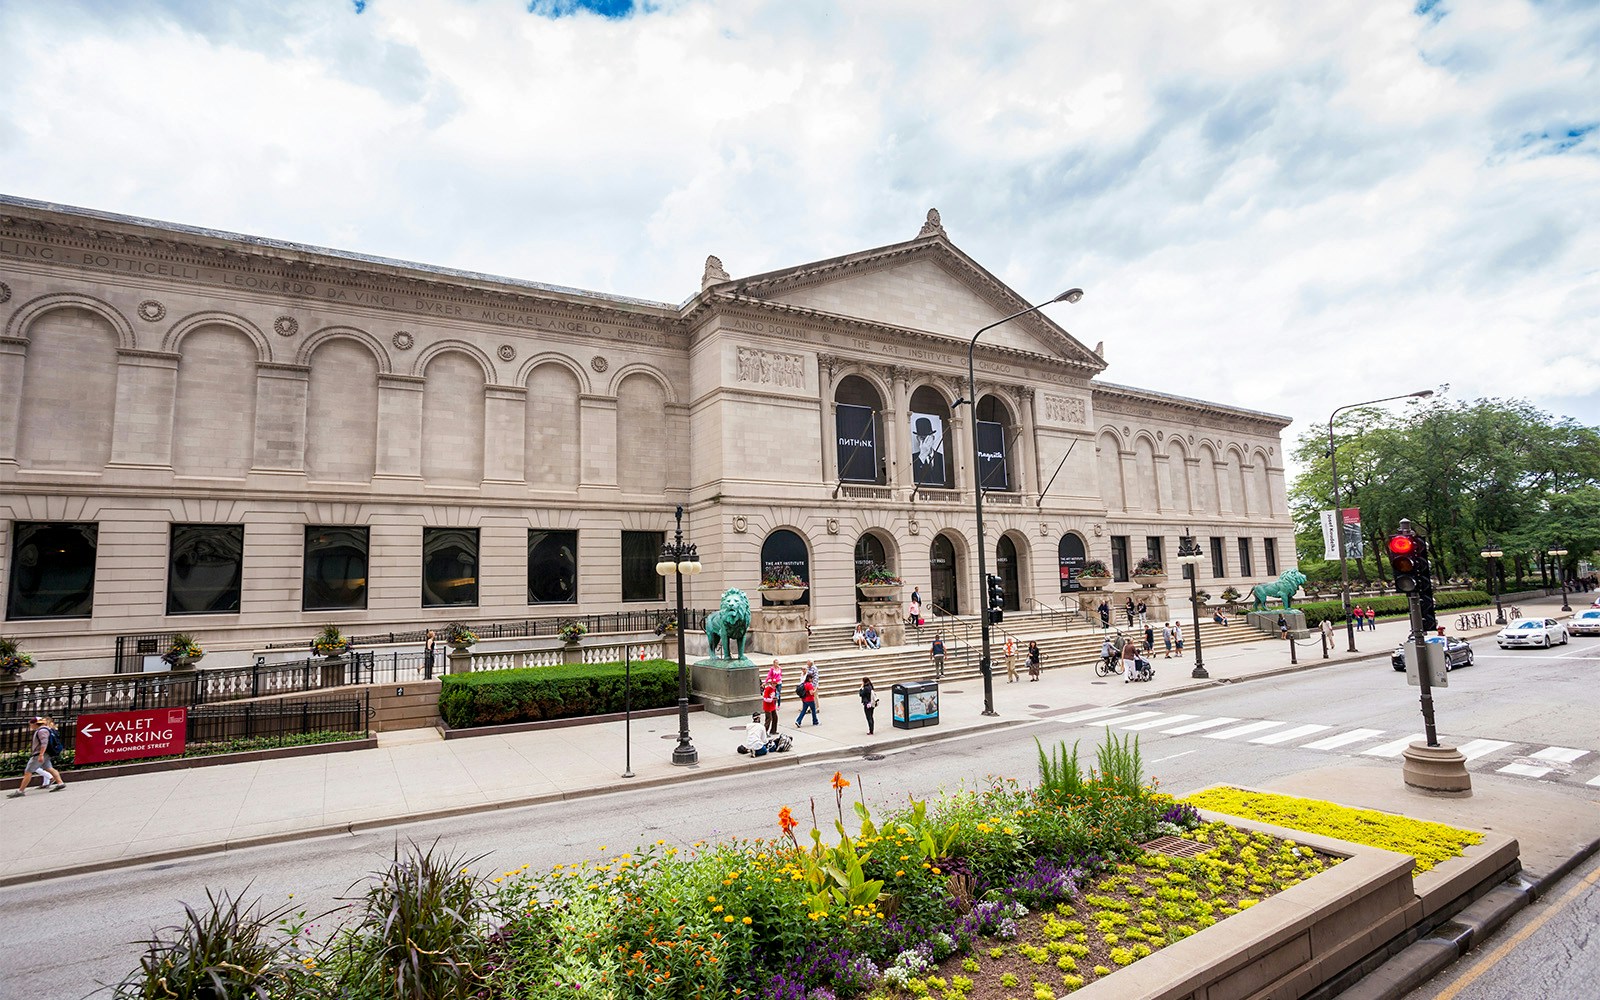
[217,723]
[533,628]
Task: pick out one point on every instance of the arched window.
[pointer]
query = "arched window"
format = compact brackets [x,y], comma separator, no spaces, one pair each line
[858,427]
[1071,555]
[997,436]
[784,553]
[932,462]
[944,597]
[871,554]
[1006,567]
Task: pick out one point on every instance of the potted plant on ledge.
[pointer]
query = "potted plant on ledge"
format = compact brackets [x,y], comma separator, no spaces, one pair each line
[879,584]
[572,630]
[13,663]
[459,637]
[1095,575]
[1149,572]
[330,642]
[183,652]
[782,586]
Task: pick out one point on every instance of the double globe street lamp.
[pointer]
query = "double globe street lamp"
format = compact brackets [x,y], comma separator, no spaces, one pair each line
[1190,556]
[1561,574]
[1491,558]
[678,560]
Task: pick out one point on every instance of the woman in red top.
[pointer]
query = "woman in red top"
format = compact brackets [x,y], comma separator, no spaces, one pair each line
[769,707]
[808,701]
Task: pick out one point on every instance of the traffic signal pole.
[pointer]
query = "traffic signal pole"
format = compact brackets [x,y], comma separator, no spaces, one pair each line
[1428,766]
[1418,639]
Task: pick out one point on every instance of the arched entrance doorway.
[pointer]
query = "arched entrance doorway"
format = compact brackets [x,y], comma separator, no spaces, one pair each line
[871,554]
[1070,554]
[1005,561]
[785,553]
[943,591]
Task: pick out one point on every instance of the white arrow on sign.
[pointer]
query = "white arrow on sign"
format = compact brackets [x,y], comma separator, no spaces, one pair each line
[88,730]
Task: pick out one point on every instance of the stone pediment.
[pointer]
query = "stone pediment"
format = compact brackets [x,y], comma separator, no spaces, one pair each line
[926,285]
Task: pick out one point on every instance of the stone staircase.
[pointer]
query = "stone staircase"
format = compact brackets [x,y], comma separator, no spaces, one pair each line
[839,671]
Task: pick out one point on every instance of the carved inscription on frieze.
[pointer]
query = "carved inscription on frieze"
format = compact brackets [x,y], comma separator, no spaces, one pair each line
[1064,410]
[772,368]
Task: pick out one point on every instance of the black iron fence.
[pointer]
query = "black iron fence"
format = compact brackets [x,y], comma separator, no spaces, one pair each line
[532,628]
[277,719]
[132,649]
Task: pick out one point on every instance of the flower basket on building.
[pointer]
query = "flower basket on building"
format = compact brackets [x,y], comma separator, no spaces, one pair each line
[13,663]
[783,587]
[1095,575]
[330,642]
[184,651]
[1230,596]
[572,630]
[879,584]
[458,636]
[1149,572]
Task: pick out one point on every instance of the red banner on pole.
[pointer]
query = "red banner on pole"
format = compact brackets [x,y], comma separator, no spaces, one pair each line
[115,736]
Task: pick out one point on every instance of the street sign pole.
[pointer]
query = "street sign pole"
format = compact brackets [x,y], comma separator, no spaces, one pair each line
[627,711]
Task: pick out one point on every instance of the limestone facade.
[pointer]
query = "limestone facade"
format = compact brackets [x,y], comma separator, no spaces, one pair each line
[154,375]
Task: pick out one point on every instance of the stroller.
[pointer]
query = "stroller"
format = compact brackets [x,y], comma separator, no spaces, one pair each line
[1142,670]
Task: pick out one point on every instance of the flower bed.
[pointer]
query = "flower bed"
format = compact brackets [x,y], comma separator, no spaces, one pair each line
[1428,843]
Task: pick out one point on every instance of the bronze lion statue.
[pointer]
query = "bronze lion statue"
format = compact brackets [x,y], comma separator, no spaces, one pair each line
[1289,581]
[728,625]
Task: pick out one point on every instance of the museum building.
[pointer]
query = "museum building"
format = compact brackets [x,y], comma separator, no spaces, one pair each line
[246,439]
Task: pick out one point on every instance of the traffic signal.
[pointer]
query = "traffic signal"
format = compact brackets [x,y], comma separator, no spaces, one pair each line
[997,599]
[1408,559]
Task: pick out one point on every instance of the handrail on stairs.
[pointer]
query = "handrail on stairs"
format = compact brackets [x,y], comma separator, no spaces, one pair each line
[951,621]
[1067,614]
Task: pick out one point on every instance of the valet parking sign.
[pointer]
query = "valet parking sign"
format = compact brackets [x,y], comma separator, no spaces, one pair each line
[114,736]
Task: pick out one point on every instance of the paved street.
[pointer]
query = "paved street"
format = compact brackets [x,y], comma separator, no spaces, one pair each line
[1297,731]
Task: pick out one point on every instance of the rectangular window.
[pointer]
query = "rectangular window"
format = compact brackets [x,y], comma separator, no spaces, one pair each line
[641,550]
[1245,569]
[1152,549]
[449,567]
[1219,565]
[1272,555]
[335,569]
[1119,558]
[553,567]
[205,569]
[52,569]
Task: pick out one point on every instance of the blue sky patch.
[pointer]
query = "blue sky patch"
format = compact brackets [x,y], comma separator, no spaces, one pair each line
[1433,10]
[360,6]
[1557,140]
[614,9]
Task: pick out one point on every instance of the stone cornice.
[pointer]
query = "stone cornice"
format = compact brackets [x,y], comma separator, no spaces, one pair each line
[1113,393]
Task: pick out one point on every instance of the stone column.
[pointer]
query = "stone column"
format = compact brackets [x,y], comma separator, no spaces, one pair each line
[895,429]
[1031,482]
[281,396]
[147,385]
[830,432]
[505,425]
[959,452]
[399,426]
[13,363]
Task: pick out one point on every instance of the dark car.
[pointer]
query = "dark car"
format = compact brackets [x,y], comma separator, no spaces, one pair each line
[1457,653]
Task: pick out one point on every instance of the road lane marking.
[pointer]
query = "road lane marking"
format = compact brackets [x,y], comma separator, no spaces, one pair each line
[1394,749]
[1160,759]
[1195,727]
[1343,739]
[1091,714]
[1482,748]
[1593,781]
[1556,755]
[1249,727]
[1161,722]
[1289,734]
[1115,720]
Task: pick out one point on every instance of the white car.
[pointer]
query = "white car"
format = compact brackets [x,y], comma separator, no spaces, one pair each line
[1544,632]
[1585,622]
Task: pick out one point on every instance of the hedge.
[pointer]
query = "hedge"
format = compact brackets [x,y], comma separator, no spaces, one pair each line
[532,694]
[1390,606]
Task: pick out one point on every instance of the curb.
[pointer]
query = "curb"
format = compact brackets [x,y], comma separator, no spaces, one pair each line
[691,773]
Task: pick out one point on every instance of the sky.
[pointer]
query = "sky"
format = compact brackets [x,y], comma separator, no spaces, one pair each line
[1277,205]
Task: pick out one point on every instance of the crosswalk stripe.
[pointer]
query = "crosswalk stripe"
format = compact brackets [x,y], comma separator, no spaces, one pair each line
[1091,714]
[1249,727]
[1563,755]
[1593,781]
[1394,749]
[1289,734]
[1343,739]
[1138,715]
[1481,748]
[1195,727]
[1525,770]
[1161,722]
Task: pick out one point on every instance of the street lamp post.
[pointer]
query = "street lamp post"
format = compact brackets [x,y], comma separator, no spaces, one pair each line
[1491,558]
[1189,554]
[679,559]
[1338,507]
[985,666]
[1561,575]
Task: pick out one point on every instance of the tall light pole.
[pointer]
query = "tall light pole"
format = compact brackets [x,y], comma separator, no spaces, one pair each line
[1491,557]
[679,560]
[985,667]
[1189,554]
[1561,575]
[1338,507]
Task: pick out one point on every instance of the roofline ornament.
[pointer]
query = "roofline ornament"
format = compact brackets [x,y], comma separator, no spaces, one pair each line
[932,227]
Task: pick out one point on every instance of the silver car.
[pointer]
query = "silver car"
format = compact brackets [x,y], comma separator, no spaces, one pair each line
[1545,632]
[1585,622]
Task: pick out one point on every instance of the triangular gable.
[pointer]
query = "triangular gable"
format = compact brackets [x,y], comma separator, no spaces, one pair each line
[927,285]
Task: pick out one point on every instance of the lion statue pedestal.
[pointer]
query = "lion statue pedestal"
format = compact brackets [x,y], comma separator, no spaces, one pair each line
[781,631]
[726,681]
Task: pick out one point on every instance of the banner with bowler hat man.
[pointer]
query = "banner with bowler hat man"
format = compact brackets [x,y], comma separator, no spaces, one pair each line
[928,466]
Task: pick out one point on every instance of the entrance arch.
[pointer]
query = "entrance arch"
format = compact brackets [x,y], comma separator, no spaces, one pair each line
[1071,555]
[1007,568]
[785,552]
[873,551]
[944,581]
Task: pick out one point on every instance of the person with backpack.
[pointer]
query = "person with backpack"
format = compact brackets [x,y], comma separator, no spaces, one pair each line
[43,746]
[936,655]
[807,691]
[869,701]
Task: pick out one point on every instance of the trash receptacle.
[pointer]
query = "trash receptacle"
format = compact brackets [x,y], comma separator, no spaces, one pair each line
[915,705]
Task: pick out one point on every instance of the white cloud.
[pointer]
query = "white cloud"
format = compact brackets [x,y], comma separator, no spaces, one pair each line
[1279,206]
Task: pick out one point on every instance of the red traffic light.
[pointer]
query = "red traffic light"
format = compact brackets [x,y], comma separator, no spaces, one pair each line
[1402,545]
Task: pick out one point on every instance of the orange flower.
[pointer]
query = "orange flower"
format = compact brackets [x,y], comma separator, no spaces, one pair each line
[840,783]
[786,820]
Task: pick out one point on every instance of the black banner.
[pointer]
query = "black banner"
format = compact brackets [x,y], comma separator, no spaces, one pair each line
[858,443]
[1072,557]
[992,455]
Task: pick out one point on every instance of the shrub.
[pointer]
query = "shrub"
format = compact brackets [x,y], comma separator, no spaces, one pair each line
[228,949]
[1393,604]
[495,697]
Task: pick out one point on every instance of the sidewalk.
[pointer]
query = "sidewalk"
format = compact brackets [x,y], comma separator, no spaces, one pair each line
[415,775]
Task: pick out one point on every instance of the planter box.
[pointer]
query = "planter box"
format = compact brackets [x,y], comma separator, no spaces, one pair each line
[879,591]
[783,595]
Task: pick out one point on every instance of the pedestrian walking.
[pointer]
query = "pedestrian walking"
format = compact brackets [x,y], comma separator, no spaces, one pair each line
[869,701]
[41,740]
[808,701]
[1129,611]
[936,655]
[1105,614]
[1149,638]
[1177,637]
[775,678]
[1283,627]
[769,706]
[1035,660]
[1166,637]
[1130,652]
[1372,619]
[429,643]
[1327,631]
[1011,659]
[1142,610]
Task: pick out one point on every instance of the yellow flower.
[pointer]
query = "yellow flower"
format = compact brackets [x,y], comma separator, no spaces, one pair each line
[747,921]
[728,919]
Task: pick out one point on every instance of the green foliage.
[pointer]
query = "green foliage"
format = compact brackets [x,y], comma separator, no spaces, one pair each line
[228,949]
[1060,776]
[1391,605]
[494,697]
[1119,763]
[331,641]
